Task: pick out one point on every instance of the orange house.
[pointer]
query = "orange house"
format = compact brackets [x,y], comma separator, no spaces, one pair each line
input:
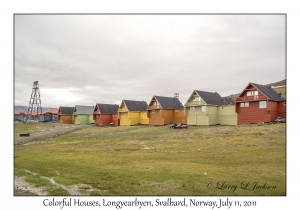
[165,110]
[65,115]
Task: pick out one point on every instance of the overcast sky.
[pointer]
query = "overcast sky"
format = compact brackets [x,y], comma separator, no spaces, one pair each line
[89,59]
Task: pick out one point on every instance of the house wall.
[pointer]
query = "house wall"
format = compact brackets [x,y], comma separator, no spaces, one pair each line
[179,116]
[65,119]
[212,114]
[115,119]
[197,117]
[144,120]
[155,118]
[168,115]
[83,119]
[124,118]
[227,115]
[103,119]
[282,109]
[252,114]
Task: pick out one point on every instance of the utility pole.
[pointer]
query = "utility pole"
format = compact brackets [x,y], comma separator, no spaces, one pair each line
[34,103]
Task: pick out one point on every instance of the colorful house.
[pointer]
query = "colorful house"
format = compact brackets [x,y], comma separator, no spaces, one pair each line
[83,114]
[50,115]
[209,108]
[165,110]
[133,112]
[106,114]
[259,103]
[19,115]
[65,115]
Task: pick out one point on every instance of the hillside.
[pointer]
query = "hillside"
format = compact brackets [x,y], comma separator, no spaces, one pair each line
[278,89]
[25,108]
[280,83]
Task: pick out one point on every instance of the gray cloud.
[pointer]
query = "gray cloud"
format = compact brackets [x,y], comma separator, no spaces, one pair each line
[84,59]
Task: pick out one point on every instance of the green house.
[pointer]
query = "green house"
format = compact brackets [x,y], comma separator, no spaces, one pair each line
[208,108]
[83,114]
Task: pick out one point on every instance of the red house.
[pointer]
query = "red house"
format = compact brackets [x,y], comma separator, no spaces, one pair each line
[106,114]
[259,103]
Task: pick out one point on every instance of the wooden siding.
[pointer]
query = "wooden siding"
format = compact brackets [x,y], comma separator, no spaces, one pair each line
[282,109]
[115,120]
[103,119]
[227,115]
[65,119]
[156,118]
[144,120]
[106,119]
[179,116]
[83,119]
[252,114]
[133,118]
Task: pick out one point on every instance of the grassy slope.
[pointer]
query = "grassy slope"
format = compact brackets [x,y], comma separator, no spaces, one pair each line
[147,160]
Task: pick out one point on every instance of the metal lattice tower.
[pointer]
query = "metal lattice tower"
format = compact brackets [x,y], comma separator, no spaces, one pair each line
[34,103]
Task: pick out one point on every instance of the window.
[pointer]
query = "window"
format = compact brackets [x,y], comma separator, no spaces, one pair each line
[192,108]
[160,111]
[203,108]
[246,104]
[154,103]
[196,99]
[152,111]
[176,110]
[252,93]
[262,104]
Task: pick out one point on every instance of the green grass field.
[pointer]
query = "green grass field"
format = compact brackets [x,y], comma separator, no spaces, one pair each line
[156,160]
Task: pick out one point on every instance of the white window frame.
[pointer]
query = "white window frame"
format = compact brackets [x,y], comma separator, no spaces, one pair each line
[246,104]
[242,104]
[152,111]
[192,108]
[203,108]
[263,105]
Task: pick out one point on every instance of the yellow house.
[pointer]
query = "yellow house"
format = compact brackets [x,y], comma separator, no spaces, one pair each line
[133,113]
[208,108]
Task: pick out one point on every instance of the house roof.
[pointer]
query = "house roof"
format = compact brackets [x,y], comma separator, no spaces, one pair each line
[84,109]
[20,112]
[169,102]
[66,110]
[269,92]
[213,98]
[228,100]
[53,111]
[136,105]
[108,108]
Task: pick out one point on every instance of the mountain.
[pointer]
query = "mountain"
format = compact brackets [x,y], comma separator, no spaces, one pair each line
[25,108]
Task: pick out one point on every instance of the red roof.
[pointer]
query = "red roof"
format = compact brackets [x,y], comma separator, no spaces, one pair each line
[20,112]
[53,111]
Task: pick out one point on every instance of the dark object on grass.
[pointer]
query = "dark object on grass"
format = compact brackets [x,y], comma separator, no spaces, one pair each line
[280,120]
[175,126]
[24,134]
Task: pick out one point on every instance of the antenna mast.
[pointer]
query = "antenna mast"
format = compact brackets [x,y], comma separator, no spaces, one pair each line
[34,103]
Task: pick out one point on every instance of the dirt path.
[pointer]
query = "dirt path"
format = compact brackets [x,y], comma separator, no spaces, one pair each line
[38,136]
